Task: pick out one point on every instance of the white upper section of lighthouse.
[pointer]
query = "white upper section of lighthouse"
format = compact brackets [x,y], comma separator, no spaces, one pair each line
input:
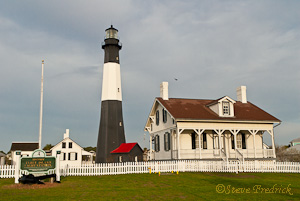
[111,84]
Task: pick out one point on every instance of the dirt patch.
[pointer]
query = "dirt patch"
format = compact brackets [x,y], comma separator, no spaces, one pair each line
[231,175]
[31,186]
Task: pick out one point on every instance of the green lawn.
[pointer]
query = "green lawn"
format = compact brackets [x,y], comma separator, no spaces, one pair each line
[188,186]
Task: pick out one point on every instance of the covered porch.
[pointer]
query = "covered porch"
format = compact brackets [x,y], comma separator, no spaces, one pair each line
[222,143]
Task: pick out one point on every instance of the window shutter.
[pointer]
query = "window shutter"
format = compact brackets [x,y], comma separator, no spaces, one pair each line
[69,156]
[169,141]
[155,144]
[165,141]
[158,148]
[157,117]
[75,156]
[232,141]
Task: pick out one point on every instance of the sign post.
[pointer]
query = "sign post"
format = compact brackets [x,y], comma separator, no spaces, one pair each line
[17,167]
[57,170]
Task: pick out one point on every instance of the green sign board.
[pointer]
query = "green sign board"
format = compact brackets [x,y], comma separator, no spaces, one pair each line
[37,164]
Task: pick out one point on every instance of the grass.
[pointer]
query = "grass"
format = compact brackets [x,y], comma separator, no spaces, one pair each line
[187,186]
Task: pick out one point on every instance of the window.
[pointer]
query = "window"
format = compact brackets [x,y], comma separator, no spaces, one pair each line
[241,141]
[157,148]
[72,156]
[151,127]
[157,117]
[153,143]
[167,141]
[232,141]
[63,145]
[204,141]
[70,144]
[195,141]
[226,110]
[238,141]
[164,112]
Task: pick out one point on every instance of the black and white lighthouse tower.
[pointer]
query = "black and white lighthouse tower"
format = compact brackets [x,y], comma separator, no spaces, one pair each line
[111,130]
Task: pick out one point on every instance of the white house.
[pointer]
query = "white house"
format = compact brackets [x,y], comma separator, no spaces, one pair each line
[26,149]
[222,129]
[71,152]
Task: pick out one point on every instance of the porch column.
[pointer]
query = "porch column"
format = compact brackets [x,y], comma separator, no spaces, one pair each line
[179,131]
[199,132]
[219,132]
[150,143]
[234,133]
[273,143]
[253,132]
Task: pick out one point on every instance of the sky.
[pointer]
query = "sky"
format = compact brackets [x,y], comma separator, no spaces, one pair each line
[211,47]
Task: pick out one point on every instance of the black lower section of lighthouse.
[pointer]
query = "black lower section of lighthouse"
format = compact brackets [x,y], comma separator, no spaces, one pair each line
[111,130]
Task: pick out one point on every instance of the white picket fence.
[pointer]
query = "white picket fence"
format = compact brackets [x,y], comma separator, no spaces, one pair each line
[7,171]
[168,166]
[180,166]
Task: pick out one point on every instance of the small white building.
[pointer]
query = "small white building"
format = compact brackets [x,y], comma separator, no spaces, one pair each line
[71,152]
[222,129]
[295,142]
[2,158]
[26,149]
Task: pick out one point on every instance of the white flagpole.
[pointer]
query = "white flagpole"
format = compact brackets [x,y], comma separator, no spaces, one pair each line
[41,107]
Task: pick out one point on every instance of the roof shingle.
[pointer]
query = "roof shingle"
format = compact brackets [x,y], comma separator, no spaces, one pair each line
[197,109]
[24,146]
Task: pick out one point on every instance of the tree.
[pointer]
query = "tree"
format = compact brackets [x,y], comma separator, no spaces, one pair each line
[90,149]
[47,147]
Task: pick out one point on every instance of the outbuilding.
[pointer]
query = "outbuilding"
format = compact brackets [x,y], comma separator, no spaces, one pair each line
[26,149]
[127,152]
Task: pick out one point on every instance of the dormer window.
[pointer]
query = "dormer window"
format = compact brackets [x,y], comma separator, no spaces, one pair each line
[226,108]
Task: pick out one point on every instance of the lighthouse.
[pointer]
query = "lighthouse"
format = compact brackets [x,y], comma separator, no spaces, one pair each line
[111,130]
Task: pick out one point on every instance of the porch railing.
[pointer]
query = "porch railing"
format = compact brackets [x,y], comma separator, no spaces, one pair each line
[268,153]
[240,154]
[223,155]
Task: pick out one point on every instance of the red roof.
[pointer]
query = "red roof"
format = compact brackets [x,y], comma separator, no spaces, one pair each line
[124,148]
[198,109]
